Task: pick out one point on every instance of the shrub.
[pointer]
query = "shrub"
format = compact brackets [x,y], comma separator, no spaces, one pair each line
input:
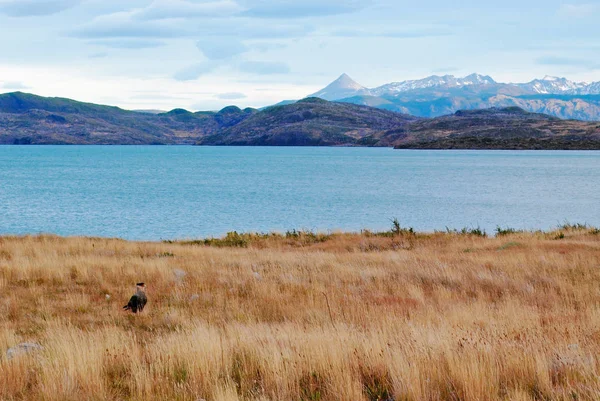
[397,229]
[566,226]
[232,239]
[506,231]
[475,231]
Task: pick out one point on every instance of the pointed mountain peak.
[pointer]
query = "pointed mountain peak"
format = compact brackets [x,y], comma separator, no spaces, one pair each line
[344,81]
[341,88]
[550,78]
[480,78]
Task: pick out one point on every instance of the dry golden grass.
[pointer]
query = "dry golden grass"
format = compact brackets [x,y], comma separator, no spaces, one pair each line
[342,317]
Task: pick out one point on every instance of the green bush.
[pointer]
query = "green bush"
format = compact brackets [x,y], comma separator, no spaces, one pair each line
[474,231]
[506,231]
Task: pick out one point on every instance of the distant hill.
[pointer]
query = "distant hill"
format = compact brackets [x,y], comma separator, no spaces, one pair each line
[310,121]
[504,128]
[30,119]
[435,96]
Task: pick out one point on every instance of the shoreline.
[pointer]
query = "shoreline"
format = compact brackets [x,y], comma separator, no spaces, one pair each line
[248,239]
[426,146]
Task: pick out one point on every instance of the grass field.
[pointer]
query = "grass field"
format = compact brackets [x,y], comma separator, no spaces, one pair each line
[303,317]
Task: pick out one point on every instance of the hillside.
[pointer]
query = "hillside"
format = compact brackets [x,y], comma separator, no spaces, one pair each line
[505,128]
[309,122]
[30,119]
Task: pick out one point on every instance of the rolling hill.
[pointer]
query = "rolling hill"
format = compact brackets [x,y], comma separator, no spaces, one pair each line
[309,122]
[31,119]
[495,128]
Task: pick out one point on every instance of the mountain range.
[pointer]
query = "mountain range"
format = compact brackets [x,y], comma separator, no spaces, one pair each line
[441,95]
[31,119]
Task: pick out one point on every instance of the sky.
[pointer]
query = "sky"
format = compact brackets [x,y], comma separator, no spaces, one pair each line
[207,54]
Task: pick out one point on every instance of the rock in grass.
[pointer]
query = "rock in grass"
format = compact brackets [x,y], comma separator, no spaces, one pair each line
[22,349]
[179,275]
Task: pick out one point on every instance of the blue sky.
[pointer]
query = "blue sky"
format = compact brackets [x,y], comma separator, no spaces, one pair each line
[197,54]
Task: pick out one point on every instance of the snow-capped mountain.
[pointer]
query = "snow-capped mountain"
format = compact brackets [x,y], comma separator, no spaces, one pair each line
[345,87]
[438,95]
[554,86]
[591,89]
[341,88]
[434,81]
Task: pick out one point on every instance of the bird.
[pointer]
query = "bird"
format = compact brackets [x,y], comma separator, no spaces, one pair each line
[138,300]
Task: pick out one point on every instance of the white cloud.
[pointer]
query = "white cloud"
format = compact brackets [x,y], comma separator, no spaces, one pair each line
[221,48]
[264,67]
[231,96]
[167,94]
[128,43]
[127,24]
[165,9]
[13,85]
[301,9]
[121,25]
[194,71]
[35,8]
[579,10]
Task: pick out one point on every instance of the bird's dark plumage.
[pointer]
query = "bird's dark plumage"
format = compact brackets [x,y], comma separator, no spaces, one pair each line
[138,300]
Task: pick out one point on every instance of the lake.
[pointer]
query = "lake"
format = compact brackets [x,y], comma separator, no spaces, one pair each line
[159,192]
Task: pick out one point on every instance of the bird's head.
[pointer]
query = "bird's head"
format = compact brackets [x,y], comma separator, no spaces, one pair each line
[140,287]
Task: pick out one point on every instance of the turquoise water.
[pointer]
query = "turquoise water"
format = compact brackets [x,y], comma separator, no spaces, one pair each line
[186,192]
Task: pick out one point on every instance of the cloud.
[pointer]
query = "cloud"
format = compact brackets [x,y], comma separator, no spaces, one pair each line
[231,96]
[206,105]
[194,71]
[120,25]
[128,43]
[158,96]
[578,10]
[35,8]
[98,55]
[392,33]
[13,85]
[567,61]
[165,9]
[264,67]
[301,9]
[249,28]
[126,25]
[445,70]
[221,48]
[265,47]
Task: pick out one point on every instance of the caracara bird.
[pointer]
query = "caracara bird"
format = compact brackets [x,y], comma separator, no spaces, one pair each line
[138,300]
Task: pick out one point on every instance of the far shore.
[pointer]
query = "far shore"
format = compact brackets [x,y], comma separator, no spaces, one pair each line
[416,147]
